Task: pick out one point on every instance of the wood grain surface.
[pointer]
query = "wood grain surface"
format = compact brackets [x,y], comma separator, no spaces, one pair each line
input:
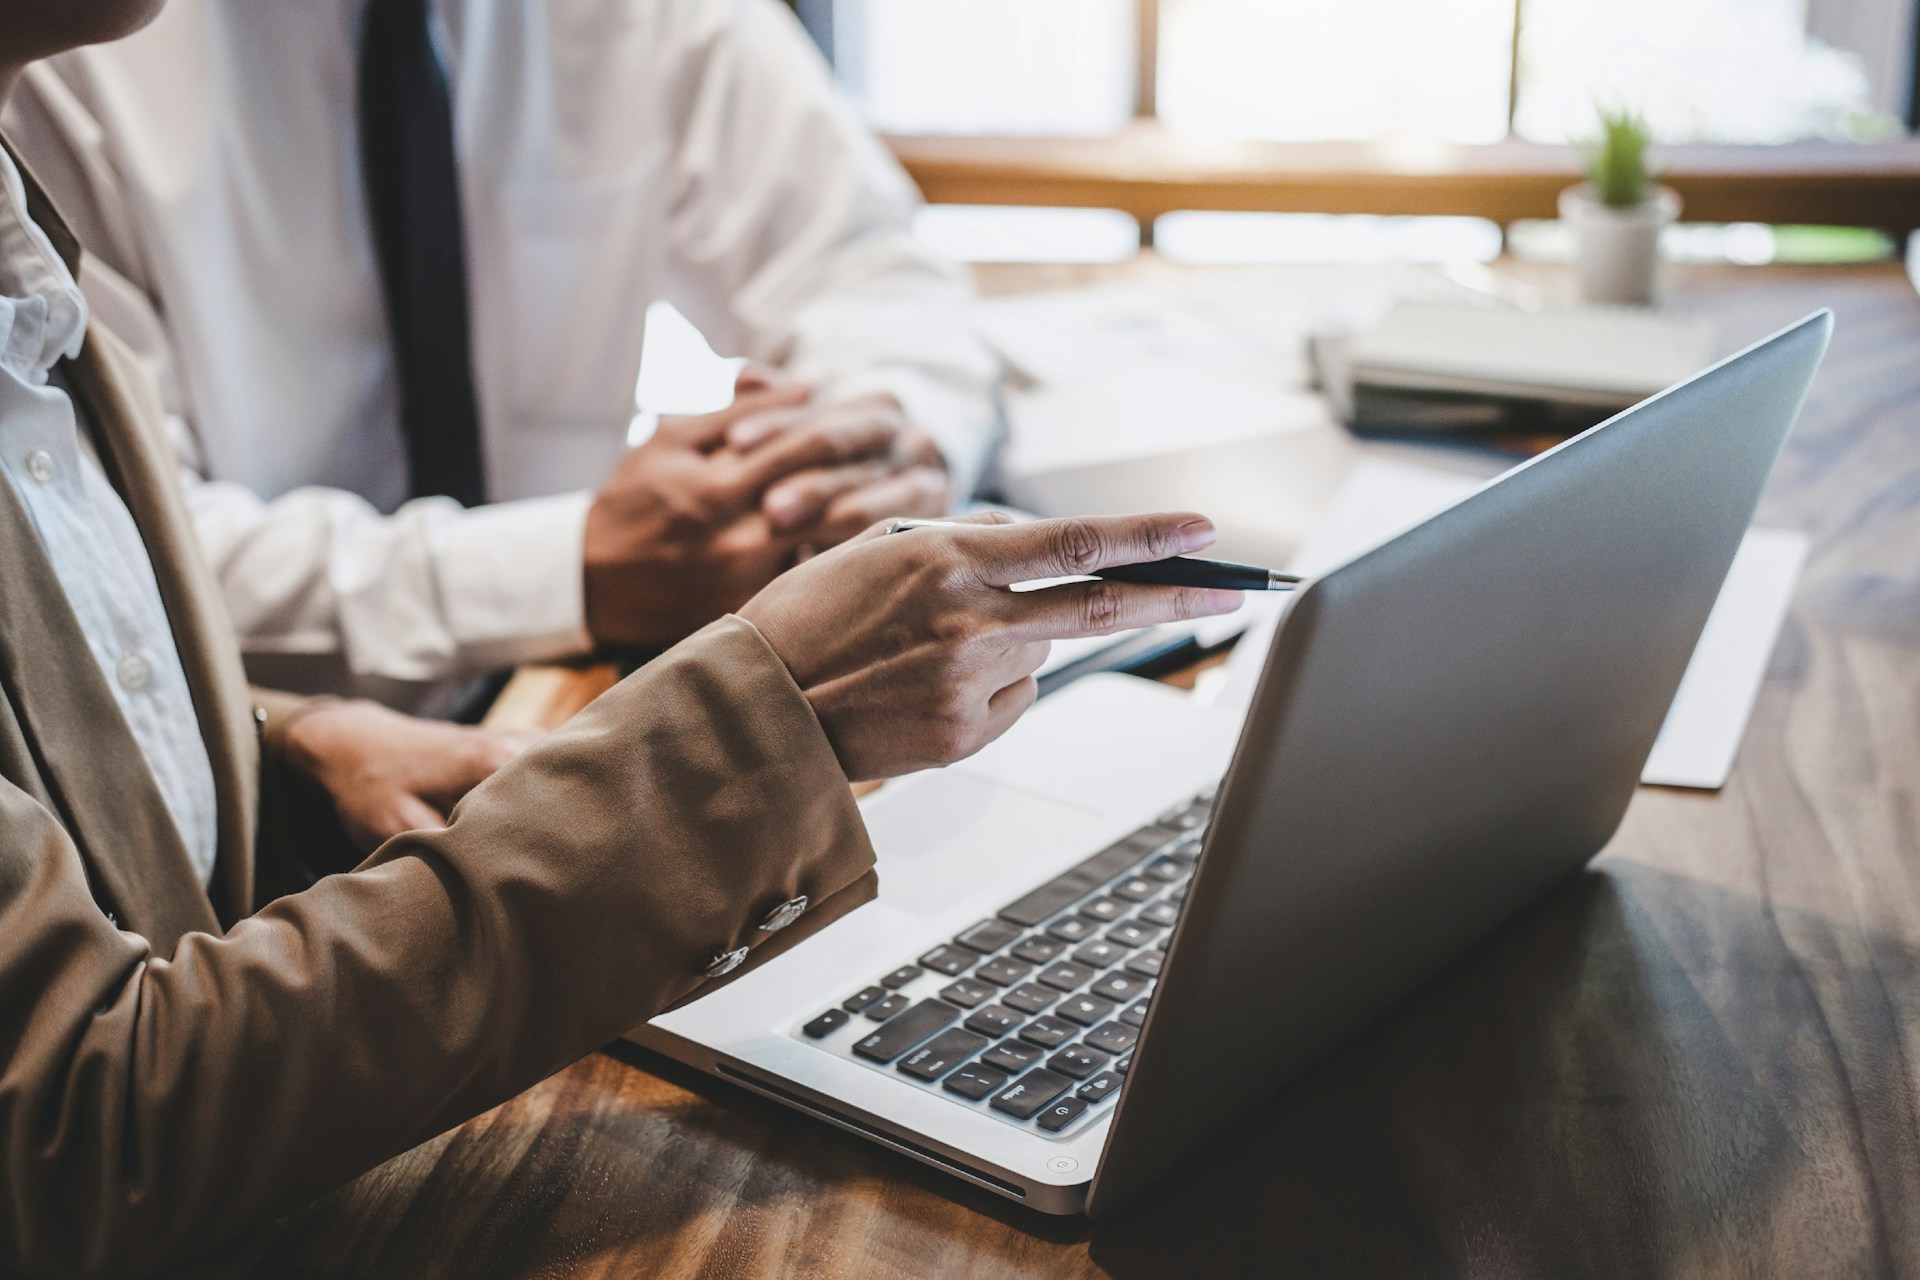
[1699,1058]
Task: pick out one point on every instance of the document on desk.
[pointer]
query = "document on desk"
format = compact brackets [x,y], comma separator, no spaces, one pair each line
[1702,731]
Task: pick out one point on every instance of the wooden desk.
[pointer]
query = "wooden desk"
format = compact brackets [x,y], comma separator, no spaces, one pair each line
[1700,1058]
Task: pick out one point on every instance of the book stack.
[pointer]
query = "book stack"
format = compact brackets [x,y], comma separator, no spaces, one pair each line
[1513,378]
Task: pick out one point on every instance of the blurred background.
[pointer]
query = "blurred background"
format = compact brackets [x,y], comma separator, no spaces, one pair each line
[1454,98]
[1243,132]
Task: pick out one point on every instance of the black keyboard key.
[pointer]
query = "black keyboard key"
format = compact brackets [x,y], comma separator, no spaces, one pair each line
[1100,1088]
[1071,929]
[900,977]
[1048,1033]
[1117,986]
[881,1010]
[975,1080]
[906,1030]
[1098,955]
[1078,1062]
[1011,1055]
[1038,948]
[988,936]
[1135,889]
[1112,1037]
[1058,1115]
[1135,1014]
[994,1020]
[1103,910]
[1165,869]
[941,1054]
[1029,998]
[1162,914]
[1085,878]
[861,999]
[1147,964]
[1122,1065]
[1065,975]
[966,993]
[1002,972]
[949,960]
[1030,1092]
[1178,894]
[1131,933]
[827,1023]
[1085,1010]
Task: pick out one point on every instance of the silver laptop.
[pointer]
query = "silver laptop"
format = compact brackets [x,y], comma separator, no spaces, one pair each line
[1112,932]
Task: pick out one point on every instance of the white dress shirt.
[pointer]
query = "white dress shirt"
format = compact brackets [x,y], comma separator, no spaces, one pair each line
[612,152]
[86,529]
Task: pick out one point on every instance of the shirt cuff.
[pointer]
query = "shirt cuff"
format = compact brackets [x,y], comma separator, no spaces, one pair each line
[511,579]
[966,426]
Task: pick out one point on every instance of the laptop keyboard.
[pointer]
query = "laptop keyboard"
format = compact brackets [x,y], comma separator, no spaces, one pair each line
[1031,1016]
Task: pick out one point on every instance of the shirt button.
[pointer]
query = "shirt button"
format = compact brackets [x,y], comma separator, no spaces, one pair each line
[725,962]
[134,673]
[784,914]
[40,465]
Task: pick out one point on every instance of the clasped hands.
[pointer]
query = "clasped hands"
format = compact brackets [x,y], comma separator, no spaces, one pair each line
[697,519]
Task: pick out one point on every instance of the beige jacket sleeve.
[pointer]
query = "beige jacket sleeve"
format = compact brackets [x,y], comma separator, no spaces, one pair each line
[151,1107]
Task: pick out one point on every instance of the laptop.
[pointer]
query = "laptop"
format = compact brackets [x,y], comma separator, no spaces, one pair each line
[1108,935]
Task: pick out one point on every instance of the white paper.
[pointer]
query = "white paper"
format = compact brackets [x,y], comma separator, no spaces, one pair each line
[1709,715]
[1702,731]
[1151,408]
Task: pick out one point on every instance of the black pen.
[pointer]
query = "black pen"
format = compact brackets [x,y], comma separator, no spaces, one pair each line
[1179,571]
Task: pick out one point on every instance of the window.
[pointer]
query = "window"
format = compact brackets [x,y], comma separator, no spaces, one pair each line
[1749,71]
[1752,71]
[1391,107]
[1306,70]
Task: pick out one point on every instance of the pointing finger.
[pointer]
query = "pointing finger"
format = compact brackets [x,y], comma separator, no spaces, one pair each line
[1079,545]
[1102,608]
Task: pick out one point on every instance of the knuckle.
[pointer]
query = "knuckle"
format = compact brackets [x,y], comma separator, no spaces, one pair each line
[952,630]
[1160,542]
[1190,602]
[1076,546]
[952,568]
[1100,608]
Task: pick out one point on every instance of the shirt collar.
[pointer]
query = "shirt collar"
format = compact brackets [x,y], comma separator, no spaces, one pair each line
[43,316]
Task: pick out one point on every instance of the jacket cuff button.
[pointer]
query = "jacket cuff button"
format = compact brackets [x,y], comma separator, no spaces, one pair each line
[784,914]
[725,962]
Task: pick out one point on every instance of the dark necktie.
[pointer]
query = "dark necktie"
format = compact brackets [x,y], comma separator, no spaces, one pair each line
[413,201]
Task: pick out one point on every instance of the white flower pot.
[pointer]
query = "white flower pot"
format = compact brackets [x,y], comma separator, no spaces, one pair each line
[1616,250]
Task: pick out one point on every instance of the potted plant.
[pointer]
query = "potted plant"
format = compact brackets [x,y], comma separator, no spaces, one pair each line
[1618,213]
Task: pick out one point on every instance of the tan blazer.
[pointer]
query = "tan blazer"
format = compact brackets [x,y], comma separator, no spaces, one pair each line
[177,1068]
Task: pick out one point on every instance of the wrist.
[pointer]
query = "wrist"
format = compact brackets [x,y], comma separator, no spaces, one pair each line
[309,736]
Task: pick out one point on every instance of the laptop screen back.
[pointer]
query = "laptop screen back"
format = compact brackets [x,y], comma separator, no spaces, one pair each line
[1445,727]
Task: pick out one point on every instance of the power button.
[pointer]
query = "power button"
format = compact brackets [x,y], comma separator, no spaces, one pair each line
[1063,1164]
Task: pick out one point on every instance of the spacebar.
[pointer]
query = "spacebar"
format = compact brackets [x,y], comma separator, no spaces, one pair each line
[1086,877]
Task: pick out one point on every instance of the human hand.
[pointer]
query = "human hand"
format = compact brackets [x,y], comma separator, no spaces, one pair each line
[676,536]
[912,650]
[386,773]
[832,504]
